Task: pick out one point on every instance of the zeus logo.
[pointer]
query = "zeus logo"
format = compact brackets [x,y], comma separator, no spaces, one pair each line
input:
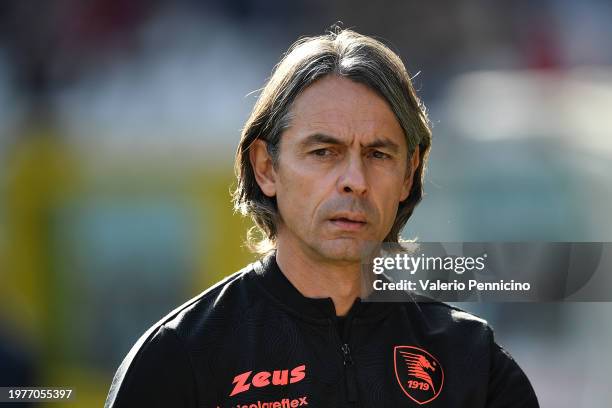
[265,378]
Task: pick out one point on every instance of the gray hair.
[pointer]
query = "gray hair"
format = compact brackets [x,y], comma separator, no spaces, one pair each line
[347,54]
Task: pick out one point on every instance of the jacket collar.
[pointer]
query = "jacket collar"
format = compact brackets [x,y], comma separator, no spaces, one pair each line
[273,281]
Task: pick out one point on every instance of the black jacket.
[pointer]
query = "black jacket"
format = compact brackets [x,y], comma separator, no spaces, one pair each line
[254,341]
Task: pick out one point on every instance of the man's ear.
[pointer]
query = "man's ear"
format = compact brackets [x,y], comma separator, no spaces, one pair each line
[414,165]
[265,175]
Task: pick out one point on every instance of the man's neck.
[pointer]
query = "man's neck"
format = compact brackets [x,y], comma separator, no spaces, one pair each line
[319,279]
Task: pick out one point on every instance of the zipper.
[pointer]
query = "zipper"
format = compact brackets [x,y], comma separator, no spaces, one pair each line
[347,360]
[349,371]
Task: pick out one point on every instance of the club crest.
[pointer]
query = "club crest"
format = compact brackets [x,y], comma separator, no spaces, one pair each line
[418,373]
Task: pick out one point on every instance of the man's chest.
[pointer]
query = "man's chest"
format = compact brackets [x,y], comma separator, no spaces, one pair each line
[291,364]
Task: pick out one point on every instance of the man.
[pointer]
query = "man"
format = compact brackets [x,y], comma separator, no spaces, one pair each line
[330,160]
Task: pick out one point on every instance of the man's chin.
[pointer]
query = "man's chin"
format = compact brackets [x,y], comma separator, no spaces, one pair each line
[343,250]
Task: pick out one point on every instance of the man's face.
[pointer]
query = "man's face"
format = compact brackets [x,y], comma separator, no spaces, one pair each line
[342,172]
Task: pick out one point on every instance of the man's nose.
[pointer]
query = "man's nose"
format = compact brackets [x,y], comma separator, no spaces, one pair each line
[353,178]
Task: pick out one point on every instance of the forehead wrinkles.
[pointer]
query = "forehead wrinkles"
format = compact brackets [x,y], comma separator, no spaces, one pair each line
[340,107]
[343,98]
[338,121]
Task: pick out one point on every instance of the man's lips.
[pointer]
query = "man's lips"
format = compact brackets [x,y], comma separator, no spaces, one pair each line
[349,223]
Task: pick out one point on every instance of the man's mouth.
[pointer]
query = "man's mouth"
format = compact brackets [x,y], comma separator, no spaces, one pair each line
[349,223]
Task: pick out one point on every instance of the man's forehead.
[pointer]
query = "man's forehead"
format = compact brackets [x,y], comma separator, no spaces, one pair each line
[343,108]
[336,97]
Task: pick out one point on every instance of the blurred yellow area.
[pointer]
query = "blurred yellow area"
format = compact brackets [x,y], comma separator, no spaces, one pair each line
[41,288]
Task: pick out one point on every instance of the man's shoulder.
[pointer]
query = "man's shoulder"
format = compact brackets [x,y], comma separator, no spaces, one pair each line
[215,306]
[439,317]
[165,347]
[449,312]
[208,311]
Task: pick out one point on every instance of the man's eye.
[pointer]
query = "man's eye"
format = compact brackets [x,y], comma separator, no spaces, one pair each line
[322,152]
[380,155]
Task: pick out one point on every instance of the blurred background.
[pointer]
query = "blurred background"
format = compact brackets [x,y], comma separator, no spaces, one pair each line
[119,121]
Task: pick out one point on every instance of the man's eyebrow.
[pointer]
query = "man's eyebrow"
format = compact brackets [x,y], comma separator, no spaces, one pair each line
[384,143]
[322,138]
